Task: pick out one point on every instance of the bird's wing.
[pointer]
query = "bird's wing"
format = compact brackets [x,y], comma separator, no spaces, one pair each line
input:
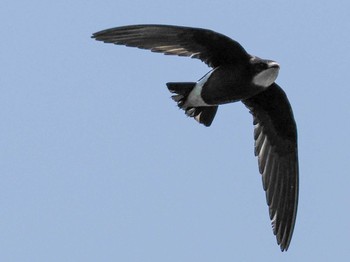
[275,137]
[212,48]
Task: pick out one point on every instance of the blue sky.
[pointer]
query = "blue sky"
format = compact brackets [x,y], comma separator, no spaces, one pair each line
[98,164]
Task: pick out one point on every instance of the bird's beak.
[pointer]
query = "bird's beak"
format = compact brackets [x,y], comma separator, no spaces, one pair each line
[273,64]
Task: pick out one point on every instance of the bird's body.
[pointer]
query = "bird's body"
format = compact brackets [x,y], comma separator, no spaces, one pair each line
[230,83]
[236,76]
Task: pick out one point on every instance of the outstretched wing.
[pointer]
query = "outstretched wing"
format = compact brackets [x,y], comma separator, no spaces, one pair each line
[275,137]
[212,48]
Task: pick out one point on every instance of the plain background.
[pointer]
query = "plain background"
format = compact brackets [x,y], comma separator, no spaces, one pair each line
[98,164]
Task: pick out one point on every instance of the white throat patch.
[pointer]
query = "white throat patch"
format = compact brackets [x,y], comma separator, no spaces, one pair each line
[266,77]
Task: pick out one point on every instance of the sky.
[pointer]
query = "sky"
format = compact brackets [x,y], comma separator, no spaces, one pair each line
[98,164]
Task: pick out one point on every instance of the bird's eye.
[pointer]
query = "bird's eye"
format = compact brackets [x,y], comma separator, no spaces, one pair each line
[261,66]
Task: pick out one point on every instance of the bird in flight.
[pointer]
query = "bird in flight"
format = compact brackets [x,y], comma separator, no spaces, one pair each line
[235,76]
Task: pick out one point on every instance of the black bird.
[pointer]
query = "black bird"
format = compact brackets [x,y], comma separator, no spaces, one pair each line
[236,76]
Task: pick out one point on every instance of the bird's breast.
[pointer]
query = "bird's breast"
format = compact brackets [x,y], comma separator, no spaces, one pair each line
[227,84]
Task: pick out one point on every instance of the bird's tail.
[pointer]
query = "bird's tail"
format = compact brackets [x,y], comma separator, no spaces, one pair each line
[203,114]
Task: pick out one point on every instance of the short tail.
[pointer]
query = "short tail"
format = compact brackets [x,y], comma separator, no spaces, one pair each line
[203,114]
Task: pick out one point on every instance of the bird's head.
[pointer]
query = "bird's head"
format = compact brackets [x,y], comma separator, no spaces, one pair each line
[265,71]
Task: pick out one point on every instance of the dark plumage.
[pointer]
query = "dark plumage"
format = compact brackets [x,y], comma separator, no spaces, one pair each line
[236,76]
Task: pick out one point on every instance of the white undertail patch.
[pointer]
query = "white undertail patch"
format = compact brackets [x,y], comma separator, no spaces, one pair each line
[195,99]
